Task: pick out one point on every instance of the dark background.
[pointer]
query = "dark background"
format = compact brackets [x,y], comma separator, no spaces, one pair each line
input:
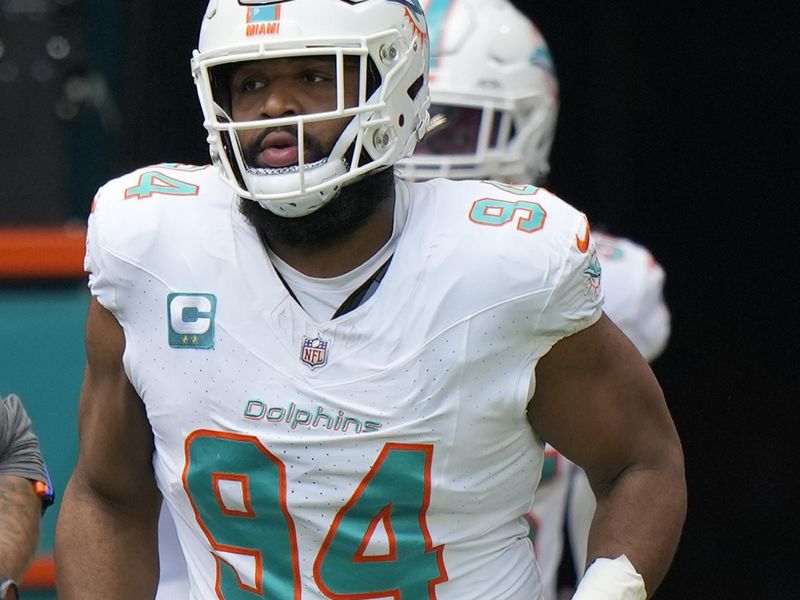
[678,128]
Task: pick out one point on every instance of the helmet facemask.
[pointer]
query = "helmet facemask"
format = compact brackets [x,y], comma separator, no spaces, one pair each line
[494,97]
[317,171]
[481,139]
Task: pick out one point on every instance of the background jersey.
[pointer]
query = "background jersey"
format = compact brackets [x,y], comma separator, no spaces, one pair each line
[173,579]
[384,452]
[547,516]
[633,282]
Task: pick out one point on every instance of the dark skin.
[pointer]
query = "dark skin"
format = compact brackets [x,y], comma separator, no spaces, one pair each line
[620,432]
[290,87]
[113,488]
[596,399]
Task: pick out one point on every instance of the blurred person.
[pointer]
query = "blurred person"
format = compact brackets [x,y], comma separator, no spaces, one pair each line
[495,101]
[173,576]
[337,381]
[25,492]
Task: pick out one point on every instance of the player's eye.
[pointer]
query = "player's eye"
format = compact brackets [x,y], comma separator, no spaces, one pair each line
[315,77]
[251,85]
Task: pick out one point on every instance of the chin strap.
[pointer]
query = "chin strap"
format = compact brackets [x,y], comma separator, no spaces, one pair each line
[608,579]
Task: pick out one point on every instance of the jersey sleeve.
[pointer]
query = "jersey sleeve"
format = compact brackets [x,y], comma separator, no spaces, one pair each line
[95,263]
[120,232]
[652,328]
[19,446]
[137,220]
[576,300]
[634,285]
[636,298]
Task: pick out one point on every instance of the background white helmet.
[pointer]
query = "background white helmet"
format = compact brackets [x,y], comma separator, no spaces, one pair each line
[494,95]
[389,37]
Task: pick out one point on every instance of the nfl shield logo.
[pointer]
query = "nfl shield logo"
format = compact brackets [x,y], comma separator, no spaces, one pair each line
[315,352]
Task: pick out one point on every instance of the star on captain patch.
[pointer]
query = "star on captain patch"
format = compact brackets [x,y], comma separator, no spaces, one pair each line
[315,351]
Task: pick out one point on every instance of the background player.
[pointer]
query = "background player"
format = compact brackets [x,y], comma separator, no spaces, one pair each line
[311,450]
[173,578]
[25,492]
[495,99]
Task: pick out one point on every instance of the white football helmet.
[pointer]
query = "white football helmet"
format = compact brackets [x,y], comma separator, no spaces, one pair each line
[494,95]
[389,39]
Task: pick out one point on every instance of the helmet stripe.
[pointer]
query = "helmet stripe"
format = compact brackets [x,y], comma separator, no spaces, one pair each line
[437,15]
[260,14]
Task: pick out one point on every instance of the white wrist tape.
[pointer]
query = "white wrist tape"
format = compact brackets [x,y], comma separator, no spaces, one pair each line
[608,579]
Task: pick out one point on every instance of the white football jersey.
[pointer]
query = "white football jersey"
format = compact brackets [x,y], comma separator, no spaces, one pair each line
[633,286]
[547,517]
[385,453]
[173,579]
[634,299]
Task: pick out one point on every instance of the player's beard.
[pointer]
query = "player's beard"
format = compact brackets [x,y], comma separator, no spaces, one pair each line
[334,221]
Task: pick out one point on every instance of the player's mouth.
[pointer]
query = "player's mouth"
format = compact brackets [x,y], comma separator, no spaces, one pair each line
[278,149]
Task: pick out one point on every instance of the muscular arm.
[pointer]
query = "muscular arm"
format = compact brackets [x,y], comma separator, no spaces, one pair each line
[106,533]
[20,510]
[598,402]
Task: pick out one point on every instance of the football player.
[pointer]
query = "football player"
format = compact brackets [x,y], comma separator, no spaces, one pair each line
[339,381]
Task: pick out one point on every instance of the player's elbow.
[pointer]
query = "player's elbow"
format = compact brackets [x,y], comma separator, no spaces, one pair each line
[674,476]
[117,489]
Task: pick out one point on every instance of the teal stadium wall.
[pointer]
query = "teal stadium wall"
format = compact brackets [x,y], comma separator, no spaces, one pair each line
[43,310]
[42,337]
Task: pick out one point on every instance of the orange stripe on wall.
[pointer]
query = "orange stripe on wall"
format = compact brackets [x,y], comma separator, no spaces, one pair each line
[42,252]
[41,575]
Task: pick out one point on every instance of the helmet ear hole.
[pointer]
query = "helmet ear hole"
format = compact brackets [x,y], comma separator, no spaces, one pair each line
[416,87]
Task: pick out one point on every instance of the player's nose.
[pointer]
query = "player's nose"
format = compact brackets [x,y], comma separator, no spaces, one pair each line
[280,100]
